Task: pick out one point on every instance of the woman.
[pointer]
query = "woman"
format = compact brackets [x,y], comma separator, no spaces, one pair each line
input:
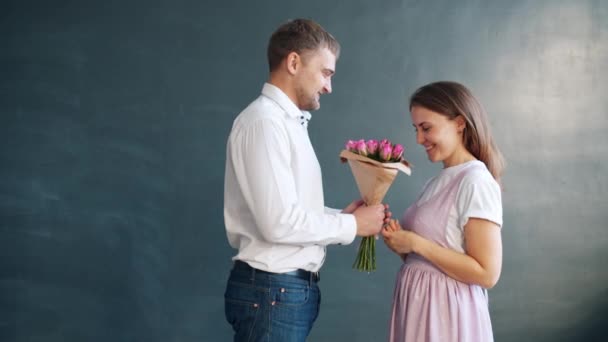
[449,238]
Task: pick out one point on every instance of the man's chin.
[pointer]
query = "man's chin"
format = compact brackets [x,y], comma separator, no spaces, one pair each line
[312,106]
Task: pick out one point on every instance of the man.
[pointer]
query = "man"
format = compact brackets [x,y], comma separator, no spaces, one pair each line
[273,202]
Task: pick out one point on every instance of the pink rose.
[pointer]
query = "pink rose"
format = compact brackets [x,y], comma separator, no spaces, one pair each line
[372,146]
[351,146]
[397,152]
[386,152]
[361,147]
[385,142]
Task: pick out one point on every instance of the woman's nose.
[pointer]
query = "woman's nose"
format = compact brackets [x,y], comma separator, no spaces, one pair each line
[419,138]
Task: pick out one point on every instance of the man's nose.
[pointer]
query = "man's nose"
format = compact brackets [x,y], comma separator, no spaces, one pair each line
[327,87]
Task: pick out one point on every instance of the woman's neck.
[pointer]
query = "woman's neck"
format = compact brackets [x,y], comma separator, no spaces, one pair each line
[458,158]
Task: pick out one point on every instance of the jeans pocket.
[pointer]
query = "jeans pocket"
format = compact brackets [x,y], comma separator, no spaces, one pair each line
[241,307]
[295,309]
[293,295]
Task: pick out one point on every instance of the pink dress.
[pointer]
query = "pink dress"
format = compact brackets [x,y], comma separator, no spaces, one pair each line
[428,305]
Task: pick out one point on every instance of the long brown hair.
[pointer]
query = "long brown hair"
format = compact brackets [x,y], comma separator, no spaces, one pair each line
[453,99]
[299,35]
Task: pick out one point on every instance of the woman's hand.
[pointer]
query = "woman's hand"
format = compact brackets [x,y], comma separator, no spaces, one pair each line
[480,264]
[387,215]
[398,240]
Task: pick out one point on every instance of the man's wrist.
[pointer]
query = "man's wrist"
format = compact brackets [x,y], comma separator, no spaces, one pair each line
[352,230]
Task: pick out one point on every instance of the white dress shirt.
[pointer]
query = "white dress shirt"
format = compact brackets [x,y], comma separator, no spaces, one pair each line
[273,193]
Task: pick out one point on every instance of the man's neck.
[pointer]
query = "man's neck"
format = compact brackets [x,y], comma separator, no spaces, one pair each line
[285,86]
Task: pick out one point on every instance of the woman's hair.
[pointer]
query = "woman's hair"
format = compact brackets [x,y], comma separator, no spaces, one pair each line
[453,99]
[299,35]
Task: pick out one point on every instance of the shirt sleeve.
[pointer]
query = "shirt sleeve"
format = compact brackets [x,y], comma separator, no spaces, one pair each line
[261,155]
[332,211]
[479,197]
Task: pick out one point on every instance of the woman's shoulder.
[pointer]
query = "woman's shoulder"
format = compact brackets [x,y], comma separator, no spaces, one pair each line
[478,184]
[479,196]
[478,174]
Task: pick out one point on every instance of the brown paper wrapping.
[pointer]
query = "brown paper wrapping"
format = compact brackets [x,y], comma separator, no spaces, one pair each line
[373,178]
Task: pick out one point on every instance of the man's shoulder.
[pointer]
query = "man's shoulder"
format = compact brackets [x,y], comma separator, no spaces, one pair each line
[261,108]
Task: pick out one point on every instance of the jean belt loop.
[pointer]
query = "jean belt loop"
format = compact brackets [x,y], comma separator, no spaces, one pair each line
[252,276]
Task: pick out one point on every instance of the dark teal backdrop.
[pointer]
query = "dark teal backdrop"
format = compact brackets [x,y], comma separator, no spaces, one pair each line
[114,121]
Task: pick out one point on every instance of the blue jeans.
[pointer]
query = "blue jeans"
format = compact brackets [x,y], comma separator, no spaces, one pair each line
[270,307]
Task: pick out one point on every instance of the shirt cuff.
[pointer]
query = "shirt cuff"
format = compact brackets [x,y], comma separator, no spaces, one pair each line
[332,211]
[348,234]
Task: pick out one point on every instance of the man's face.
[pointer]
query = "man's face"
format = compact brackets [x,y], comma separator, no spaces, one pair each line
[314,78]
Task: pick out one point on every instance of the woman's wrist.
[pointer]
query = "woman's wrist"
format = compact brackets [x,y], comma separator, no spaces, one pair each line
[418,244]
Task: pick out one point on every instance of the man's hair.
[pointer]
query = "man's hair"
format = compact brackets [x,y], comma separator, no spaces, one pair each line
[300,36]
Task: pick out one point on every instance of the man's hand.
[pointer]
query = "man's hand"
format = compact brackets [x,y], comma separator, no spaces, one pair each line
[353,206]
[370,219]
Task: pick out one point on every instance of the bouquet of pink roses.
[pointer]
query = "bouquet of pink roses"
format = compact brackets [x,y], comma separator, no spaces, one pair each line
[374,165]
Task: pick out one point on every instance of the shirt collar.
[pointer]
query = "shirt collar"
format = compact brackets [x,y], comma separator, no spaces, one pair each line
[277,95]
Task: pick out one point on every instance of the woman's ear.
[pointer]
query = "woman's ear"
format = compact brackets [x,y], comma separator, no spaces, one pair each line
[461,123]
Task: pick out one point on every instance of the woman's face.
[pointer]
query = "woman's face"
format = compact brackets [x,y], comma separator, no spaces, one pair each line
[440,136]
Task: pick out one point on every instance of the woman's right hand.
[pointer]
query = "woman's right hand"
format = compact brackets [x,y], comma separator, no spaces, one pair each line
[398,240]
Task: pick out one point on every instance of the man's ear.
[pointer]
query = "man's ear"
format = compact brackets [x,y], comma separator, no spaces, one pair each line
[294,62]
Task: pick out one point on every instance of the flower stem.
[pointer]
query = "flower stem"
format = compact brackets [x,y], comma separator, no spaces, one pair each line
[366,256]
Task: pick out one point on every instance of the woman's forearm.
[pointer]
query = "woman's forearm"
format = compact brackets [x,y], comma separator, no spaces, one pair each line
[459,266]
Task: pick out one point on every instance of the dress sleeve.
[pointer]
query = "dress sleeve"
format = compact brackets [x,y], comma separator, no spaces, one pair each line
[479,197]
